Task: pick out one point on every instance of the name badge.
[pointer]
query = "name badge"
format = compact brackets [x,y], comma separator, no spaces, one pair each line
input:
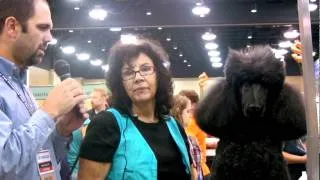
[45,166]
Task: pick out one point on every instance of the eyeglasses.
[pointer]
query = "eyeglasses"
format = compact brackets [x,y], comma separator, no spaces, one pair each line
[143,71]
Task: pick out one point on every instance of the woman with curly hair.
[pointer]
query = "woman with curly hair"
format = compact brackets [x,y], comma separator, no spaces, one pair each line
[137,138]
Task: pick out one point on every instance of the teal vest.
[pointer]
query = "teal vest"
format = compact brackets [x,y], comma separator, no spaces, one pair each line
[134,153]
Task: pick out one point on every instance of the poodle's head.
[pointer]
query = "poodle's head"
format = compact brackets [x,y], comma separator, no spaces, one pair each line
[256,76]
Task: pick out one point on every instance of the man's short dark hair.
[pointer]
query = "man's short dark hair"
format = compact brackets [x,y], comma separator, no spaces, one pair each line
[22,10]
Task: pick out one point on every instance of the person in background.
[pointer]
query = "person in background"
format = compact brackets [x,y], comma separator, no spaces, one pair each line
[195,131]
[99,102]
[137,138]
[33,140]
[181,111]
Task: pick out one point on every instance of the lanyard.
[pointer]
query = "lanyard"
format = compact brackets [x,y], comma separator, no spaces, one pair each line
[29,106]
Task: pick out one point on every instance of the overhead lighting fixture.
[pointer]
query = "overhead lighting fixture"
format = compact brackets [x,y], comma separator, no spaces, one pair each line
[68,49]
[313,0]
[201,10]
[96,62]
[98,14]
[215,59]
[248,46]
[105,68]
[175,47]
[216,64]
[168,39]
[160,28]
[208,36]
[279,53]
[148,13]
[189,65]
[128,39]
[211,45]
[214,53]
[89,41]
[103,50]
[254,8]
[180,55]
[76,8]
[54,41]
[249,36]
[291,34]
[70,31]
[115,29]
[83,56]
[185,61]
[285,44]
[313,6]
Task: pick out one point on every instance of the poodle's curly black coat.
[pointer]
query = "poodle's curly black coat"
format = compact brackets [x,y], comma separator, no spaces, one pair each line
[252,150]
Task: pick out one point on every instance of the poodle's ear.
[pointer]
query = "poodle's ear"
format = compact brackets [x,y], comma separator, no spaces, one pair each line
[216,110]
[289,113]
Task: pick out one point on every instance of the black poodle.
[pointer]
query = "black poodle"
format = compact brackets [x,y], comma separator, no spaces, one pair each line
[252,110]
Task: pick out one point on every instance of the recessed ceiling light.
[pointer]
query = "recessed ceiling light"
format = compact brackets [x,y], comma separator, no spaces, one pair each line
[89,41]
[83,56]
[105,68]
[291,34]
[168,39]
[103,49]
[214,53]
[70,31]
[189,65]
[208,36]
[128,39]
[253,10]
[148,13]
[185,61]
[215,59]
[285,44]
[54,41]
[68,49]
[76,8]
[159,28]
[217,64]
[115,29]
[175,47]
[211,45]
[250,37]
[98,14]
[96,62]
[180,55]
[248,46]
[201,10]
[312,7]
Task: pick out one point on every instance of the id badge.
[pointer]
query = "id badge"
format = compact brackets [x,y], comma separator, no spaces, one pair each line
[45,166]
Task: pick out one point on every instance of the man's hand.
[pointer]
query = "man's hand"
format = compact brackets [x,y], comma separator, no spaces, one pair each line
[63,98]
[71,121]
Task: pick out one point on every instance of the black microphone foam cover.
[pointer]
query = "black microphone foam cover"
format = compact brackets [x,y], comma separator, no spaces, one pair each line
[62,68]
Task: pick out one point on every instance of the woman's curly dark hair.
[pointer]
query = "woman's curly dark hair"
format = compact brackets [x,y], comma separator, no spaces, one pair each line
[122,53]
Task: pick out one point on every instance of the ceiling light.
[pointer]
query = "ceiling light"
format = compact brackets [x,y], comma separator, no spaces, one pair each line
[83,56]
[211,45]
[98,14]
[76,8]
[53,41]
[105,68]
[208,36]
[314,53]
[291,34]
[312,6]
[180,55]
[96,62]
[214,53]
[148,13]
[250,37]
[168,39]
[313,0]
[89,41]
[215,59]
[70,31]
[254,8]
[159,28]
[248,46]
[68,50]
[185,61]
[201,10]
[115,29]
[189,65]
[217,64]
[285,44]
[103,49]
[175,47]
[279,53]
[128,39]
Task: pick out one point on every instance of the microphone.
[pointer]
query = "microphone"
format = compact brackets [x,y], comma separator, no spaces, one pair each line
[62,68]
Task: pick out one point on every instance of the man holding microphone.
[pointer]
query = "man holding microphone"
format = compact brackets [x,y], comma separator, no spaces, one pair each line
[32,140]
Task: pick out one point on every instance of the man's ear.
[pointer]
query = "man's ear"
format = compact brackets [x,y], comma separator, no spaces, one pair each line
[12,27]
